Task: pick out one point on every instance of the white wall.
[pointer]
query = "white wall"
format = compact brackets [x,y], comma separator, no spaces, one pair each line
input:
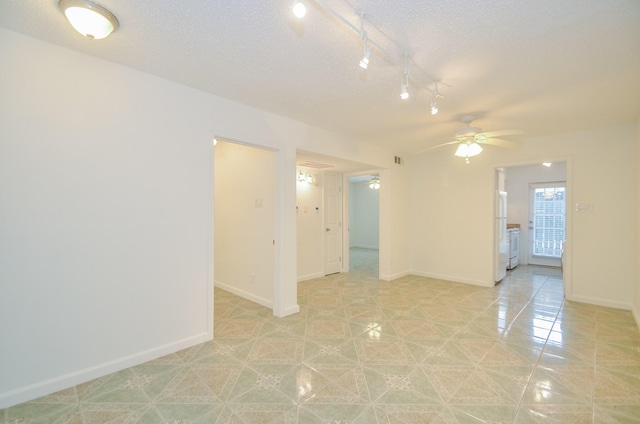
[106,194]
[363,215]
[105,222]
[636,297]
[452,211]
[244,221]
[518,179]
[309,221]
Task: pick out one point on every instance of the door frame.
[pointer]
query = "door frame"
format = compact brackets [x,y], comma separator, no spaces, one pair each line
[567,263]
[276,301]
[541,260]
[346,224]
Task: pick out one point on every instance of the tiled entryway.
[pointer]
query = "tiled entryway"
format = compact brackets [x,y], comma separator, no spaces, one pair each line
[413,350]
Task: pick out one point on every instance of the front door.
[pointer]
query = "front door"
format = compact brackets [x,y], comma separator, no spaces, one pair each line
[332,223]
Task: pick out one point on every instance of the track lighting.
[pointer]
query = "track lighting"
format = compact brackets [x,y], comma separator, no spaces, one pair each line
[366,53]
[364,62]
[299,9]
[88,18]
[404,93]
[368,45]
[433,106]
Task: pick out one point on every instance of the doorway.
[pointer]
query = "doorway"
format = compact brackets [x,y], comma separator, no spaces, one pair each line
[547,226]
[244,221]
[520,181]
[364,224]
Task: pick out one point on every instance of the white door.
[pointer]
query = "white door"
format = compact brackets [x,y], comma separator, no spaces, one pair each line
[332,223]
[547,217]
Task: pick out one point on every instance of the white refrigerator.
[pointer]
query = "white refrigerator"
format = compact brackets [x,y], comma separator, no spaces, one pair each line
[501,248]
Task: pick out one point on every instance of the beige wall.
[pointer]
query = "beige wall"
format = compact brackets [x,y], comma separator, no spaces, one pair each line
[452,208]
[105,193]
[636,297]
[107,202]
[244,221]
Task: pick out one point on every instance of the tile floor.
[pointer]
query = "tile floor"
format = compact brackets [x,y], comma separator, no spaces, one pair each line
[414,350]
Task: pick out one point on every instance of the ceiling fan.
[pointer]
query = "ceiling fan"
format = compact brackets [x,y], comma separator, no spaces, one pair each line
[469,139]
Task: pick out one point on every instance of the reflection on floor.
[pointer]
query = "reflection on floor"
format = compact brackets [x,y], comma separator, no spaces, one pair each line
[414,350]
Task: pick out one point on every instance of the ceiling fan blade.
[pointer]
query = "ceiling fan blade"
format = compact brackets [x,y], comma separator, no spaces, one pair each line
[501,143]
[501,133]
[436,147]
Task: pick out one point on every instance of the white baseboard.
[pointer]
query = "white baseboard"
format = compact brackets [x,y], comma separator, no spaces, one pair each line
[636,316]
[454,279]
[310,277]
[290,311]
[358,246]
[247,295]
[391,277]
[62,382]
[600,302]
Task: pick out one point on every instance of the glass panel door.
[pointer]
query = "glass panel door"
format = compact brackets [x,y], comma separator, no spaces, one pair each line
[547,223]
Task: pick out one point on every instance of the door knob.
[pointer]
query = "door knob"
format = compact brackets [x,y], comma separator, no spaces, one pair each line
[327,229]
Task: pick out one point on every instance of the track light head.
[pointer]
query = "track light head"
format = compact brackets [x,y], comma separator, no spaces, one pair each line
[434,107]
[299,9]
[404,93]
[364,62]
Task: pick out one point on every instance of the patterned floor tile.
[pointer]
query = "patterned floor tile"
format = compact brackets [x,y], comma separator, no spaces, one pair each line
[44,413]
[560,386]
[335,351]
[364,351]
[617,414]
[544,414]
[617,385]
[393,385]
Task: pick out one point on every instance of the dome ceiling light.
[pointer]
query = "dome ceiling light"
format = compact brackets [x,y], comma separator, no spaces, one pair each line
[88,18]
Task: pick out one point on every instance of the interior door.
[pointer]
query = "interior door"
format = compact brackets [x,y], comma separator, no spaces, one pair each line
[332,223]
[547,217]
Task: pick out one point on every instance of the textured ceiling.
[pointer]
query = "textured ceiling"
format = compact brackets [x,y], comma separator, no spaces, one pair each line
[543,66]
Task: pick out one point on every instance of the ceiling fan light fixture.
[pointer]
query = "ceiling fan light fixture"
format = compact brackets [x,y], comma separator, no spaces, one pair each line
[468,149]
[88,18]
[374,184]
[299,9]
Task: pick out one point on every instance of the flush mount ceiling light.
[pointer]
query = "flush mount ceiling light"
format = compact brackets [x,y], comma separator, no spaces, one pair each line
[88,18]
[299,9]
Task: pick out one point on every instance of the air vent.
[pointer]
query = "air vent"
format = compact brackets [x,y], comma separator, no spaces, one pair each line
[314,165]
